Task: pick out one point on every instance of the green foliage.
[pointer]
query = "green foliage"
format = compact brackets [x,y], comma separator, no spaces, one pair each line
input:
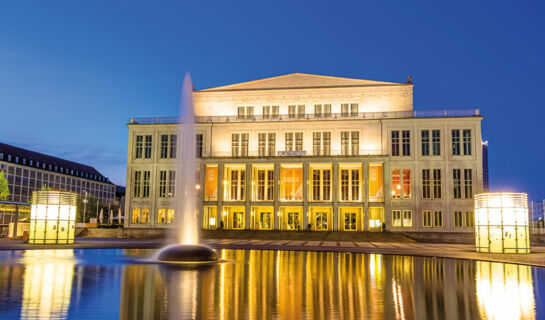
[45,188]
[4,188]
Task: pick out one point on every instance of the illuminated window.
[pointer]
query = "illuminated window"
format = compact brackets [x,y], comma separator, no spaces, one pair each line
[469,219]
[147,147]
[290,218]
[289,141]
[395,143]
[458,219]
[396,218]
[291,182]
[136,215]
[239,144]
[396,184]
[146,184]
[456,142]
[426,218]
[438,218]
[407,218]
[165,216]
[352,218]
[321,218]
[376,187]
[210,217]
[320,183]
[467,142]
[318,110]
[167,182]
[262,218]
[235,184]
[401,183]
[138,150]
[350,184]
[263,184]
[350,143]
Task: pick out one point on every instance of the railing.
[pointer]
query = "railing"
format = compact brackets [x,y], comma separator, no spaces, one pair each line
[312,116]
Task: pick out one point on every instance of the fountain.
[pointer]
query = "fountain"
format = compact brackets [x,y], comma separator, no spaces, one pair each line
[186,248]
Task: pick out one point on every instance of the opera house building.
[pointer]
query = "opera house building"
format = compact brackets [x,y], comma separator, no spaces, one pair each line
[311,152]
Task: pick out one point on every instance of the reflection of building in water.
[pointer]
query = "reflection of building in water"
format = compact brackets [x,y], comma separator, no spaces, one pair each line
[279,284]
[505,291]
[47,283]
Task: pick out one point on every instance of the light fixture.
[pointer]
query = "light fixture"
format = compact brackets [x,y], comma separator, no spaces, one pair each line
[501,222]
[52,217]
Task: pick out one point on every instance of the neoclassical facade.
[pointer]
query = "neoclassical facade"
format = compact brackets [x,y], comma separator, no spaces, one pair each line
[301,151]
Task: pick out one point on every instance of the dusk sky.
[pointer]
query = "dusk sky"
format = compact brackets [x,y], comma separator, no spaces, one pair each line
[72,73]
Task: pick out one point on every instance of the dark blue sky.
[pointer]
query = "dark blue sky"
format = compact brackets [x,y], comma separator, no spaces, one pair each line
[72,72]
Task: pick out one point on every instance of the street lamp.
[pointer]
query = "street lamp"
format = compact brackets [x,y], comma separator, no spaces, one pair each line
[84,205]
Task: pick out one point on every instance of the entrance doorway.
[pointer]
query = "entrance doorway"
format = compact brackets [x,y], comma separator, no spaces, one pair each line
[376,218]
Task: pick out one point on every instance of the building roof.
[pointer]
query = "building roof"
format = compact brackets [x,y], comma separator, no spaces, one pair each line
[301,81]
[79,170]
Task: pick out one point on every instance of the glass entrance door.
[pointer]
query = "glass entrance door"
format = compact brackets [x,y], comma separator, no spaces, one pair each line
[376,218]
[293,221]
[321,221]
[238,220]
[350,221]
[265,221]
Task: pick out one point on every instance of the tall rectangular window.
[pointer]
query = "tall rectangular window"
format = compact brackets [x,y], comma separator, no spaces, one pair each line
[425,139]
[275,111]
[137,184]
[266,112]
[147,147]
[345,143]
[396,218]
[395,143]
[455,142]
[249,112]
[426,184]
[262,144]
[172,146]
[407,218]
[266,144]
[437,183]
[321,142]
[239,144]
[438,218]
[436,142]
[350,143]
[271,144]
[291,182]
[300,111]
[327,110]
[353,109]
[198,145]
[326,148]
[344,110]
[211,183]
[407,184]
[355,142]
[457,183]
[139,147]
[426,218]
[146,184]
[406,140]
[458,219]
[162,184]
[467,142]
[468,183]
[264,182]
[376,186]
[298,141]
[291,111]
[350,184]
[396,184]
[241,112]
[235,186]
[164,146]
[470,219]
[289,141]
[318,110]
[171,191]
[321,184]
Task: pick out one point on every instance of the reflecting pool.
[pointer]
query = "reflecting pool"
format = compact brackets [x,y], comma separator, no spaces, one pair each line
[253,284]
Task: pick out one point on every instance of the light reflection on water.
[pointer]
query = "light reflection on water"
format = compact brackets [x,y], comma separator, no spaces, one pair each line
[95,284]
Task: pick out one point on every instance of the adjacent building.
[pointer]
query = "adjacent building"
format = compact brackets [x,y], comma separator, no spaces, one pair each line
[537,213]
[27,170]
[303,151]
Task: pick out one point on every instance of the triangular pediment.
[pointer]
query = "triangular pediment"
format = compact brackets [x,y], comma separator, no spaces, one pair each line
[300,81]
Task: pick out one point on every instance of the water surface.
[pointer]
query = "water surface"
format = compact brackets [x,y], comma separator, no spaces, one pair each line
[253,284]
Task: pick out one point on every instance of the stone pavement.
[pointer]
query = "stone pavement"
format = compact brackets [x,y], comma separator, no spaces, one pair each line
[440,250]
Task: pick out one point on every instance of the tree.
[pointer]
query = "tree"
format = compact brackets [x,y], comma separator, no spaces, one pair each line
[4,188]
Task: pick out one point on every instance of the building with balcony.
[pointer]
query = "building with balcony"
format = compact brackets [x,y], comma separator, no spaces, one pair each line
[303,151]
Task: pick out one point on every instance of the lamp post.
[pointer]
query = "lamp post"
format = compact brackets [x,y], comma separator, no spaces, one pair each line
[84,205]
